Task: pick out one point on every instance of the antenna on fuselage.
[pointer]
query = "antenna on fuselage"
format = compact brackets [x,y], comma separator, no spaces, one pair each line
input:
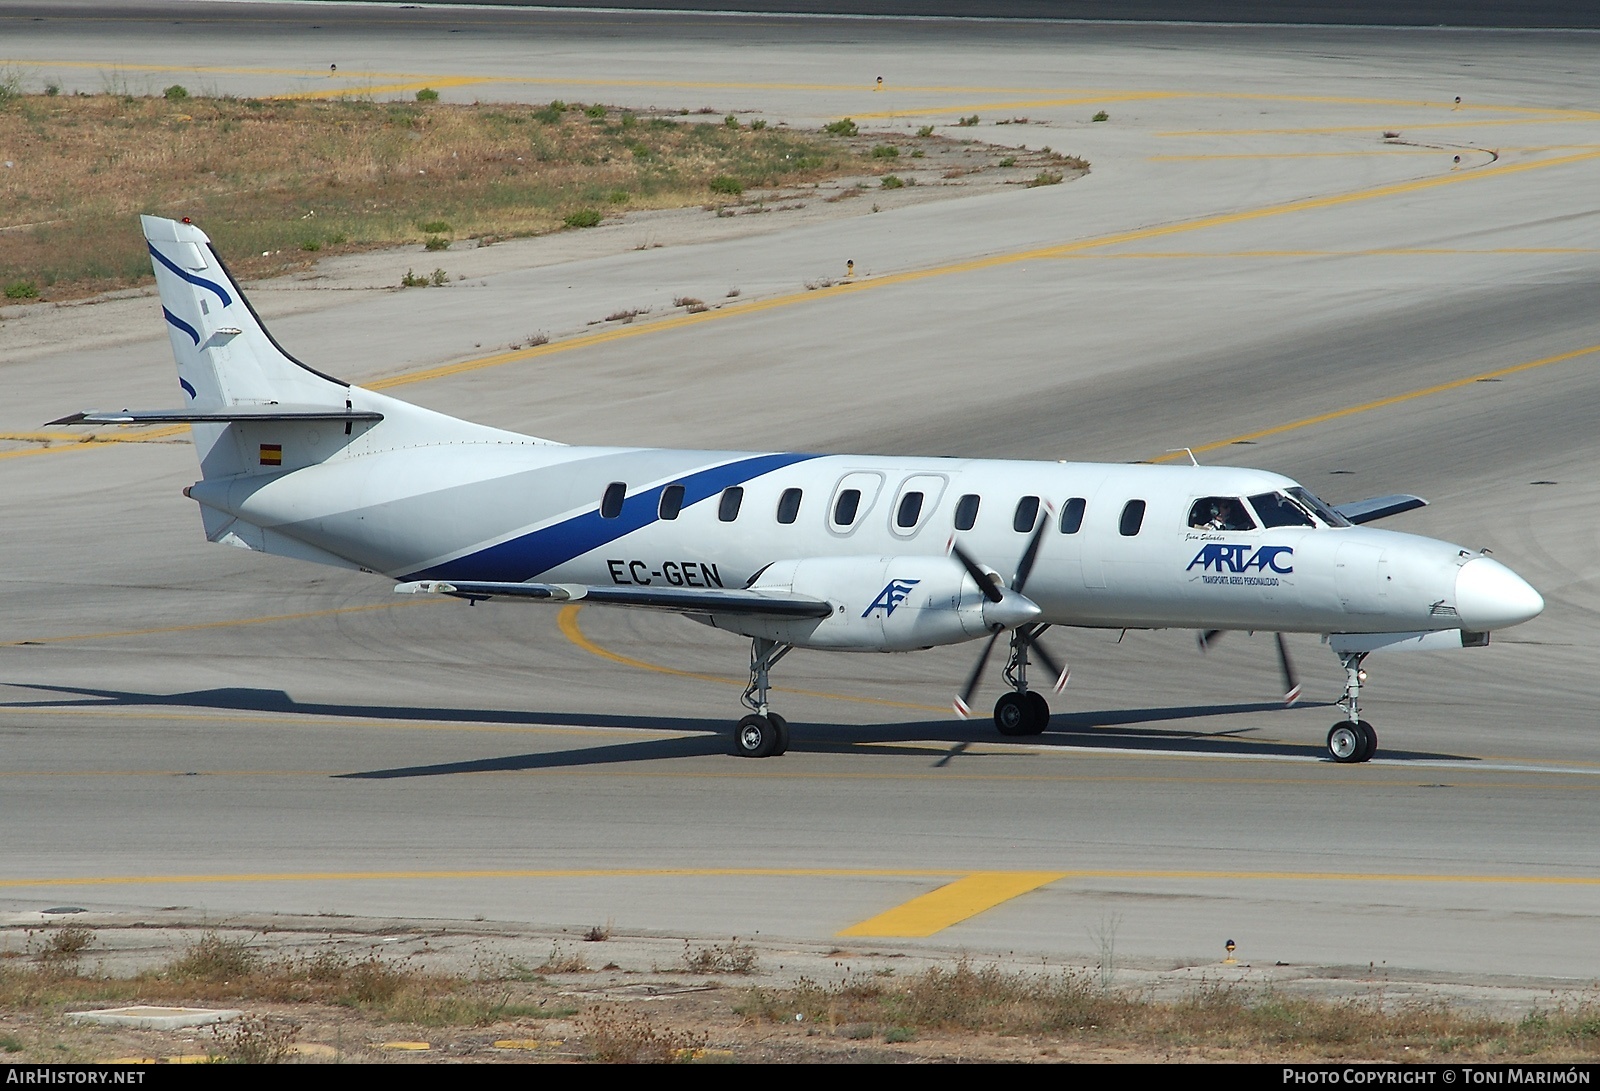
[1192,460]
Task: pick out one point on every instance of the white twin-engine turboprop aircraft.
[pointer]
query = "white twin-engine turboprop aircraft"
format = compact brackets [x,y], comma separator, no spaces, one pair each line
[844,552]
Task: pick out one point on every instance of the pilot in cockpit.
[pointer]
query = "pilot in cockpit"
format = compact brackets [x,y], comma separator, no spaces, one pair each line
[1219,513]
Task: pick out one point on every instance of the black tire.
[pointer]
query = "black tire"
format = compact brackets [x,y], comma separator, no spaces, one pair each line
[1040,708]
[1369,740]
[1346,742]
[783,733]
[1012,716]
[755,737]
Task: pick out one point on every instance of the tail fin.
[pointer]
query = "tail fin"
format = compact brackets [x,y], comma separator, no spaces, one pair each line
[226,358]
[253,408]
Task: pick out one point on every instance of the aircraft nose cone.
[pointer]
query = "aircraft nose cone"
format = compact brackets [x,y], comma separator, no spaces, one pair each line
[1012,610]
[1491,596]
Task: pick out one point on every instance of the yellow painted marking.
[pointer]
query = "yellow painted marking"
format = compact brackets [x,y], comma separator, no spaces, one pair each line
[995,261]
[1135,874]
[567,620]
[413,1047]
[528,1043]
[67,441]
[954,903]
[1102,94]
[980,108]
[1383,403]
[385,89]
[216,624]
[1312,155]
[1376,252]
[1492,122]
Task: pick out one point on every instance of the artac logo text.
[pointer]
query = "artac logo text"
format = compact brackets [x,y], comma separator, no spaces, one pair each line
[1222,557]
[892,595]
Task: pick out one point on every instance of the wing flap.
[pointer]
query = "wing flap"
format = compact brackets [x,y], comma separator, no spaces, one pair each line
[682,600]
[1379,507]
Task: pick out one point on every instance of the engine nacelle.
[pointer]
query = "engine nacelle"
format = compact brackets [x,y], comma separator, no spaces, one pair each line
[881,604]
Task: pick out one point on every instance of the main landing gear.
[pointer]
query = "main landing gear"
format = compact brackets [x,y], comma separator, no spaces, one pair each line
[1352,740]
[762,734]
[1022,711]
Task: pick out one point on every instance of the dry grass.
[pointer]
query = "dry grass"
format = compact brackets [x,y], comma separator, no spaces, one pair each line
[274,181]
[1237,1020]
[214,969]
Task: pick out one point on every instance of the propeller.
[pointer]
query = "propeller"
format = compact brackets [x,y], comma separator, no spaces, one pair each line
[1291,680]
[1025,633]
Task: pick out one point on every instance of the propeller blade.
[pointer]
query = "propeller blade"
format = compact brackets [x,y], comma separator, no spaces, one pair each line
[1208,638]
[1291,681]
[1029,555]
[984,581]
[962,702]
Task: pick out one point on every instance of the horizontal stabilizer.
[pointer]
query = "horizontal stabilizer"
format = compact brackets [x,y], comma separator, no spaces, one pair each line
[1379,507]
[223,415]
[677,599]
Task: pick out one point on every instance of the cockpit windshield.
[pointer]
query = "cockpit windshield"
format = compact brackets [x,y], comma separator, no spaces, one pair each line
[1277,510]
[1294,508]
[1319,508]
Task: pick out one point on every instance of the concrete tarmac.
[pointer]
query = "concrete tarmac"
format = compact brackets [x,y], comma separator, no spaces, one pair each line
[1251,269]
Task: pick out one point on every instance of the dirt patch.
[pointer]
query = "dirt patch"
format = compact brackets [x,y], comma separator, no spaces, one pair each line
[279,182]
[320,991]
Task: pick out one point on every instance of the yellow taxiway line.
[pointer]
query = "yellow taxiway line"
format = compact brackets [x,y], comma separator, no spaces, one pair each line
[953,903]
[970,894]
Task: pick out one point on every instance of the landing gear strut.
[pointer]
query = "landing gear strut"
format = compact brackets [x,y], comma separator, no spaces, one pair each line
[1352,740]
[1022,711]
[761,734]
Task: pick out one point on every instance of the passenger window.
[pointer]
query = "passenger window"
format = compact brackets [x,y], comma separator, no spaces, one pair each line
[1072,515]
[1027,514]
[1220,513]
[910,511]
[671,502]
[967,511]
[1277,510]
[844,509]
[728,508]
[789,506]
[1132,518]
[611,502]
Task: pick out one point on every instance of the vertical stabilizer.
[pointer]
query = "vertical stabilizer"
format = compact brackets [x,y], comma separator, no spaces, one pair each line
[225,356]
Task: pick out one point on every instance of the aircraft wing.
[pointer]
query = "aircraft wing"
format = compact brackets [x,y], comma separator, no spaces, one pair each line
[1379,507]
[682,600]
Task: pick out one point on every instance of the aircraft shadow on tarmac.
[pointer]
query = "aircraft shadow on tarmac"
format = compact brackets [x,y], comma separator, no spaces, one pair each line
[1117,729]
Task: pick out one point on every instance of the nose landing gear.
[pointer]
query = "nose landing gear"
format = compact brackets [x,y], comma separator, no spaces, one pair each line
[1022,711]
[1352,740]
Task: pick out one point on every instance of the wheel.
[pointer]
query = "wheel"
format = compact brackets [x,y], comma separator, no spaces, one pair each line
[1369,740]
[1346,742]
[1012,714]
[755,737]
[783,733]
[1039,708]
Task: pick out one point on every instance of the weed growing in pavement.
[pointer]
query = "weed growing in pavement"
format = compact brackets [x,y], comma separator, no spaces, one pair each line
[731,958]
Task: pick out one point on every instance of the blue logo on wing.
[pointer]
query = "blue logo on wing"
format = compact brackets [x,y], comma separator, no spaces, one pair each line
[892,595]
[1222,557]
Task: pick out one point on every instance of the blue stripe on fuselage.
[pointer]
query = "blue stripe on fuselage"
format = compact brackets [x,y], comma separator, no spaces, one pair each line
[199,282]
[527,556]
